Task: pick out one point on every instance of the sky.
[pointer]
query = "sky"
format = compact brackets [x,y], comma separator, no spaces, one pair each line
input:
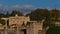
[36,3]
[29,4]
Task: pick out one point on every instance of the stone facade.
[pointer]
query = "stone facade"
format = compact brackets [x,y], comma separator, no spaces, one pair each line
[22,25]
[18,20]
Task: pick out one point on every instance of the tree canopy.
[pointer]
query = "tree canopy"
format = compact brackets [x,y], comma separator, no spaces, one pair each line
[50,16]
[38,14]
[2,21]
[53,30]
[14,12]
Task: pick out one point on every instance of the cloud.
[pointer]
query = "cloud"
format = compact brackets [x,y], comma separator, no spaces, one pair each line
[18,7]
[23,8]
[28,6]
[1,6]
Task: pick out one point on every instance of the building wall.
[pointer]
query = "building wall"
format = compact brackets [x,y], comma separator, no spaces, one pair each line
[18,20]
[36,27]
[32,28]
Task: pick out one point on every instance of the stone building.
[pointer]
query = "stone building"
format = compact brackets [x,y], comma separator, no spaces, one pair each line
[21,25]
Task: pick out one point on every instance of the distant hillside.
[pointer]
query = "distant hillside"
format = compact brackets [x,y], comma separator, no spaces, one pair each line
[24,11]
[24,8]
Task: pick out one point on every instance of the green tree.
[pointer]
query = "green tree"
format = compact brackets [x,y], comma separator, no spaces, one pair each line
[50,16]
[7,14]
[39,14]
[53,30]
[2,15]
[15,12]
[2,21]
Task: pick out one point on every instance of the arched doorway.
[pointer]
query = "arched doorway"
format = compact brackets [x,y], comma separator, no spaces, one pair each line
[23,31]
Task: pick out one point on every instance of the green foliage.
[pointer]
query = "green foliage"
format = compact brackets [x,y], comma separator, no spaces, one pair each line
[38,14]
[2,21]
[7,14]
[2,15]
[53,30]
[14,12]
[50,16]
